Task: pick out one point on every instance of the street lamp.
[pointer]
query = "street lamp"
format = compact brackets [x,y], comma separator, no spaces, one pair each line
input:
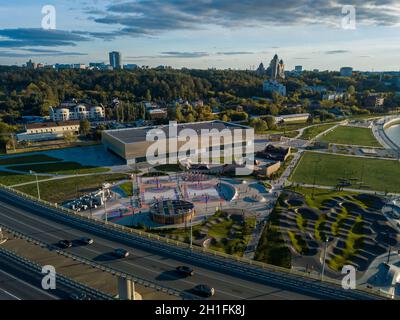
[324,262]
[37,183]
[191,233]
[105,205]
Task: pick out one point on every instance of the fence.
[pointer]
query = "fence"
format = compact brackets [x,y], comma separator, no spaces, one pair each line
[101,267]
[37,269]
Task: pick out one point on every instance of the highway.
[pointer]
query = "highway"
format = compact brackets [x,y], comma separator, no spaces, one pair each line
[14,288]
[156,263]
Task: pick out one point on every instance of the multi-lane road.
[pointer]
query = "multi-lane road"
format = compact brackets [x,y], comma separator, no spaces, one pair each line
[156,263]
[18,287]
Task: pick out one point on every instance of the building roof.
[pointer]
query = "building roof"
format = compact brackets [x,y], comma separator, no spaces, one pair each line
[132,135]
[42,125]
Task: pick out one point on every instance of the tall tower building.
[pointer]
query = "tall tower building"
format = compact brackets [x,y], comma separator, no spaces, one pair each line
[115,60]
[276,68]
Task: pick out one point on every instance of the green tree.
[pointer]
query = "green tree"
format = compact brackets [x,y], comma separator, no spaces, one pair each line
[84,127]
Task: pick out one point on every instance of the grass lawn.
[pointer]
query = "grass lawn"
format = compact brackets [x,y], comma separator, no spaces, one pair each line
[312,132]
[272,248]
[62,190]
[59,168]
[127,188]
[10,179]
[27,159]
[375,174]
[219,231]
[351,136]
[168,168]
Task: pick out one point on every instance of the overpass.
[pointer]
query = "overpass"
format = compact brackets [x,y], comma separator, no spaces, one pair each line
[155,260]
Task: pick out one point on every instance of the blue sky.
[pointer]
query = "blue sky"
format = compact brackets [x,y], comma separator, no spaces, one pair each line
[204,33]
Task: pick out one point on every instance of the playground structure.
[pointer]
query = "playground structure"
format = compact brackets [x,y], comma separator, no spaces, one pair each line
[196,188]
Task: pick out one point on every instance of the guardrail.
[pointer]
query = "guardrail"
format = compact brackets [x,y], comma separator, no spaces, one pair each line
[101,267]
[200,250]
[37,269]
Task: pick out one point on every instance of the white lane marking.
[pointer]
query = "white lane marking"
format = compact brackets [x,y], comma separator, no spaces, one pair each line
[142,257]
[10,294]
[27,284]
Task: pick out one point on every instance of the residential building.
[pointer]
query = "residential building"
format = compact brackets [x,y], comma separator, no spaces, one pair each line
[271,86]
[346,72]
[48,130]
[292,118]
[298,69]
[131,66]
[76,111]
[335,96]
[115,59]
[261,69]
[374,100]
[31,65]
[158,114]
[276,69]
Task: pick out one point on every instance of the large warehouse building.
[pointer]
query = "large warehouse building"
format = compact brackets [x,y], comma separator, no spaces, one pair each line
[132,144]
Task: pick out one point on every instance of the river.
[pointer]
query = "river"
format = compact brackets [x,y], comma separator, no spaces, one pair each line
[393,133]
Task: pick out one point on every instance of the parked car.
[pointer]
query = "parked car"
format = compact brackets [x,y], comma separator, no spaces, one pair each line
[86,241]
[204,290]
[185,270]
[121,253]
[65,244]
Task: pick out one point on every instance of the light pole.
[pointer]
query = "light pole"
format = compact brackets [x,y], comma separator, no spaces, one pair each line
[191,233]
[324,262]
[37,183]
[105,206]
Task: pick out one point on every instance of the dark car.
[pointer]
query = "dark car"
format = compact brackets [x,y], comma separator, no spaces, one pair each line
[121,253]
[79,296]
[86,241]
[203,290]
[65,244]
[184,270]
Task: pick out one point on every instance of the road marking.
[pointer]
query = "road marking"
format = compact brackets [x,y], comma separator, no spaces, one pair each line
[27,284]
[29,216]
[10,294]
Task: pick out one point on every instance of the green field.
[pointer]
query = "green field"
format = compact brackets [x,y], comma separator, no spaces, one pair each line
[36,158]
[62,190]
[377,174]
[10,179]
[219,228]
[127,188]
[59,168]
[313,131]
[351,136]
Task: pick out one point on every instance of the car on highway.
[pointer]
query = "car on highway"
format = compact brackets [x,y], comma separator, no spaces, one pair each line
[185,271]
[79,296]
[65,244]
[203,290]
[86,241]
[121,253]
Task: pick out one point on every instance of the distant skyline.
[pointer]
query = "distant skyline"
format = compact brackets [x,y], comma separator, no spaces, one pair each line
[205,33]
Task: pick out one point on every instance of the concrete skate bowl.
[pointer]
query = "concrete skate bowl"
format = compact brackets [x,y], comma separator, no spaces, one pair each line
[307,213]
[303,244]
[295,202]
[371,201]
[227,192]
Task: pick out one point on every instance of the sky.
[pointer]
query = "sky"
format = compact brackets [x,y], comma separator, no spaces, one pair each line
[317,34]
